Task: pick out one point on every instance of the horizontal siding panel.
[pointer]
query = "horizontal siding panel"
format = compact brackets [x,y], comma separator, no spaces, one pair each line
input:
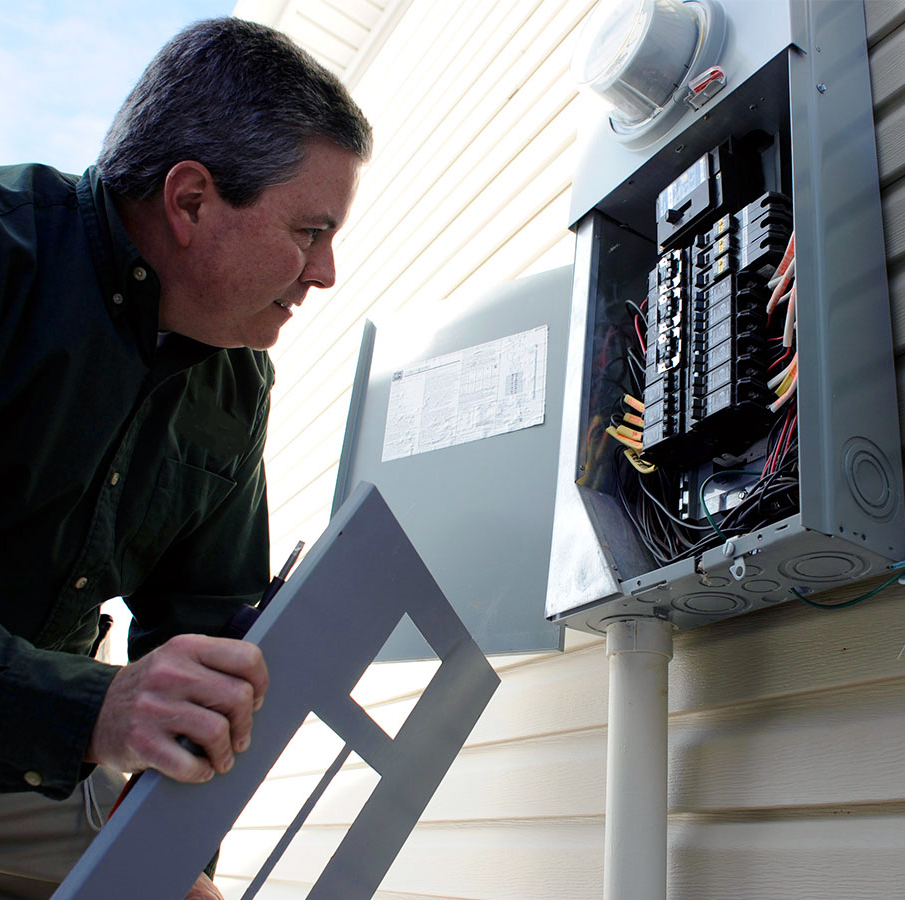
[234,888]
[305,402]
[563,776]
[789,648]
[411,41]
[890,129]
[534,239]
[541,862]
[897,303]
[804,750]
[887,68]
[302,402]
[900,384]
[317,447]
[839,856]
[767,654]
[883,17]
[306,517]
[893,202]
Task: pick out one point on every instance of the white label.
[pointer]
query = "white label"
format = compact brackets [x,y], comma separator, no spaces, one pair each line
[468,395]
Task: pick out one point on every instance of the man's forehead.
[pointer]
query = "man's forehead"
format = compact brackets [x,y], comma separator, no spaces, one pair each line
[323,186]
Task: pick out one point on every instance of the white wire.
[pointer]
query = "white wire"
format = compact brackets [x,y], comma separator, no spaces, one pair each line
[93,812]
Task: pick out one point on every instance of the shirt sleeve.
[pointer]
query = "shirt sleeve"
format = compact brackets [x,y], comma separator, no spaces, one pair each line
[50,703]
[208,573]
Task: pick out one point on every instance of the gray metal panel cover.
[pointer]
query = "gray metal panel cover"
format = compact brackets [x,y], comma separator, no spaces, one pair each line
[318,635]
[479,514]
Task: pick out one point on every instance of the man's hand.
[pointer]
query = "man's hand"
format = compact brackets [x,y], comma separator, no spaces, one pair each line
[201,687]
[203,889]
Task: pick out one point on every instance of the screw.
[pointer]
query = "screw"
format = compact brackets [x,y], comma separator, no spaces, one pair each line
[821,87]
[742,495]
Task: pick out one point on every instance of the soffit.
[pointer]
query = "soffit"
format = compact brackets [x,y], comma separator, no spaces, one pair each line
[341,34]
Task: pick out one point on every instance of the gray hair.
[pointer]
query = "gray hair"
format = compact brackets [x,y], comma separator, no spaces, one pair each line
[236,96]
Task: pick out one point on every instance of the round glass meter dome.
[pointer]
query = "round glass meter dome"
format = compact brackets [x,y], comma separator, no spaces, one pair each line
[636,53]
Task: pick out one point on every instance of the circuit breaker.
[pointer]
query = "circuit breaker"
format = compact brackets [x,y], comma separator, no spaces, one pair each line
[730,435]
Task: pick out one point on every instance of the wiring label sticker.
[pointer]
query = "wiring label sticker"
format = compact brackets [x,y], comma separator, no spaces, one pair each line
[468,395]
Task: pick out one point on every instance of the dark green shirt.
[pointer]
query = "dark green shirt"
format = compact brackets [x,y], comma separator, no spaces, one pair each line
[128,469]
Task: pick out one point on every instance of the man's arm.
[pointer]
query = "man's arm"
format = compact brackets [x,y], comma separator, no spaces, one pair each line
[200,687]
[50,704]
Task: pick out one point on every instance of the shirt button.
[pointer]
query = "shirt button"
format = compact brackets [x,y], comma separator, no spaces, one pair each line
[114,479]
[139,274]
[117,299]
[35,779]
[80,583]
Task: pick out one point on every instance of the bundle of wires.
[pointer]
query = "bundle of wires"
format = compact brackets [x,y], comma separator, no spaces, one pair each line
[785,382]
[648,500]
[627,425]
[650,495]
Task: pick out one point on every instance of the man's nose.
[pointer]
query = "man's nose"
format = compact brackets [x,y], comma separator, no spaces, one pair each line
[320,269]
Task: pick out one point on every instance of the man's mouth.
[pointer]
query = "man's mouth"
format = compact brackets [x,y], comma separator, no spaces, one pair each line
[284,303]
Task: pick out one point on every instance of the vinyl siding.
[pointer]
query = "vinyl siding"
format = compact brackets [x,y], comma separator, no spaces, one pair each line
[787,765]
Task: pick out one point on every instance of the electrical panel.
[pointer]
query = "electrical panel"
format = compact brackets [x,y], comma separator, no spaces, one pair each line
[730,435]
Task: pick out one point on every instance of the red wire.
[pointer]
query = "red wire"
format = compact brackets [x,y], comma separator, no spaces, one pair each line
[638,332]
[122,794]
[785,449]
[781,358]
[770,464]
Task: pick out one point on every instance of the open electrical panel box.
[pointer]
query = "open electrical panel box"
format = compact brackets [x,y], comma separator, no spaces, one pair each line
[730,432]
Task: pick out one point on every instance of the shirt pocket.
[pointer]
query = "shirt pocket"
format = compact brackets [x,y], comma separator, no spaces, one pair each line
[183,497]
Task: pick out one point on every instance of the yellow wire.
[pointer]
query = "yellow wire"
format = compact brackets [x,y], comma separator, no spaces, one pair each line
[635,445]
[642,465]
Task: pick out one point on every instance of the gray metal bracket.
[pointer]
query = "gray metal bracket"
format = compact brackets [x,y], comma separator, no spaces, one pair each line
[318,636]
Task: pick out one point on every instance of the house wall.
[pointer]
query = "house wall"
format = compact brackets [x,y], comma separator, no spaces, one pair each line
[787,764]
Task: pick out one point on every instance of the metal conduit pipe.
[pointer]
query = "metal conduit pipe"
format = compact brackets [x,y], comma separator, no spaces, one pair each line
[639,651]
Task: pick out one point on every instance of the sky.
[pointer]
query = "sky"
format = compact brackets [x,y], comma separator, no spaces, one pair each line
[67,65]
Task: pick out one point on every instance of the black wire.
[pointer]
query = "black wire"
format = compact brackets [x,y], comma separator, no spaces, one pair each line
[641,527]
[636,371]
[674,518]
[631,306]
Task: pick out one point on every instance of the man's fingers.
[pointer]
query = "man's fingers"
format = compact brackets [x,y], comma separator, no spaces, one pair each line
[233,698]
[203,889]
[207,729]
[238,658]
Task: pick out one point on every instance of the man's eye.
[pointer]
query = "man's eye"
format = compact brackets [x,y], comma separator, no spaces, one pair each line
[310,234]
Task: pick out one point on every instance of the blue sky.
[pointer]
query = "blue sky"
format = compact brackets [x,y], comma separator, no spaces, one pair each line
[67,65]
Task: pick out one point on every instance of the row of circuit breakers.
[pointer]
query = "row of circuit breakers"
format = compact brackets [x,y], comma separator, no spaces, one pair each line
[707,347]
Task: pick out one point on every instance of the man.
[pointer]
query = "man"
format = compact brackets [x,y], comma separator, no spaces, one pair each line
[136,306]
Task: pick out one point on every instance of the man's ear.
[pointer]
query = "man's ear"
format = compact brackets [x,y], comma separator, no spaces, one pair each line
[188,192]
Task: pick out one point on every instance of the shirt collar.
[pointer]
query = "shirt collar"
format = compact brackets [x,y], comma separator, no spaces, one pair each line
[129,283]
